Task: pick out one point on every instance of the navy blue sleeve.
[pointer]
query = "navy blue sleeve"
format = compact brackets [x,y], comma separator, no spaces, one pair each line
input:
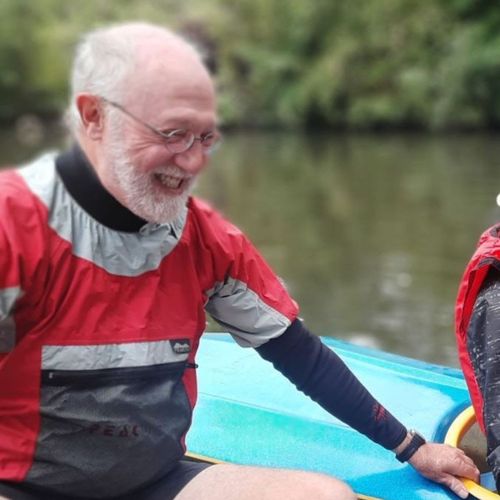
[318,372]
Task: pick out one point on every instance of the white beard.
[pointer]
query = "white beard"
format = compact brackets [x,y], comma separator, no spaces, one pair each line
[140,192]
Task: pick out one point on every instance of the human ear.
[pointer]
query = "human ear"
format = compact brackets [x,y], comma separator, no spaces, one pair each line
[90,110]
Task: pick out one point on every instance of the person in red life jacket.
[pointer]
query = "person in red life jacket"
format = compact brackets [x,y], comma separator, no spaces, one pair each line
[108,268]
[477,327]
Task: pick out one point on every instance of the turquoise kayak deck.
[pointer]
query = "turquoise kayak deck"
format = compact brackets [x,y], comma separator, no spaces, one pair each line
[248,413]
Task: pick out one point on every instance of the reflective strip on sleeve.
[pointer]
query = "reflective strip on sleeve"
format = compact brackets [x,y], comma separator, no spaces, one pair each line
[244,314]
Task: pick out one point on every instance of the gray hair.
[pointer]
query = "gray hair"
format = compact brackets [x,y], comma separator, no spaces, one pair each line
[103,60]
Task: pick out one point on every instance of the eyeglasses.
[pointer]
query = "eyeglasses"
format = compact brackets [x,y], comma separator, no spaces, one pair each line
[178,140]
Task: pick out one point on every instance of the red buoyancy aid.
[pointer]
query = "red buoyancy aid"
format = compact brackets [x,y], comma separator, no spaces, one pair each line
[487,252]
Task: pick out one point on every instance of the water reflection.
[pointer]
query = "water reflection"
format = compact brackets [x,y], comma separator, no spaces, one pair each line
[370,233]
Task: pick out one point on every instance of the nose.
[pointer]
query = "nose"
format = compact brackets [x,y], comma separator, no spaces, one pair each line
[192,160]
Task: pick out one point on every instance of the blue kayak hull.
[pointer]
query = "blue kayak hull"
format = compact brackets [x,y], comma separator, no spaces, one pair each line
[248,413]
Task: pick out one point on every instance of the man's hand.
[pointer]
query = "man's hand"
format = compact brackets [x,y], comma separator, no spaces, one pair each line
[443,463]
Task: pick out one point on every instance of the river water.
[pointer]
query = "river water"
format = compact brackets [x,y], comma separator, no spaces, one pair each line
[371,233]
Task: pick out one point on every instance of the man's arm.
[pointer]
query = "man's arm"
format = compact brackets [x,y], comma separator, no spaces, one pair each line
[321,374]
[318,372]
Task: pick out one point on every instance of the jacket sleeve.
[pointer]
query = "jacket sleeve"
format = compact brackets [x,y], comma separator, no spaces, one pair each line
[323,376]
[10,291]
[245,295]
[21,249]
[483,345]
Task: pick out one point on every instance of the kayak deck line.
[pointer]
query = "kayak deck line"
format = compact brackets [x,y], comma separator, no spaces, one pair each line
[454,437]
[196,457]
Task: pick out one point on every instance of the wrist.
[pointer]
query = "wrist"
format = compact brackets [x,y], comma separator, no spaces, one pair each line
[403,444]
[412,442]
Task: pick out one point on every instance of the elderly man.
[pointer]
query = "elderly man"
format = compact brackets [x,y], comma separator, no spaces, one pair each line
[108,266]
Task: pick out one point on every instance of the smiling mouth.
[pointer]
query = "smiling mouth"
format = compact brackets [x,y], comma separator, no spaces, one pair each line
[170,181]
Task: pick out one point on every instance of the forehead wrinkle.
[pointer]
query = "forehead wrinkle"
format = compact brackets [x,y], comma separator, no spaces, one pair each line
[186,118]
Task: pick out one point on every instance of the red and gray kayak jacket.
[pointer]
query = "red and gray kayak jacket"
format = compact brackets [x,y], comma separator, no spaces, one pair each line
[99,329]
[487,254]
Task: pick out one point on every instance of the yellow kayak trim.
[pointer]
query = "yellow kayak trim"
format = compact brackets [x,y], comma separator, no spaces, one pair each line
[453,437]
[202,458]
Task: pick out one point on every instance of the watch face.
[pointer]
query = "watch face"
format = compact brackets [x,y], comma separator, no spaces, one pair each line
[413,432]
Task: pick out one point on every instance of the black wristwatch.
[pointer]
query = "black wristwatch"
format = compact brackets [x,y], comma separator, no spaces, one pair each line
[416,441]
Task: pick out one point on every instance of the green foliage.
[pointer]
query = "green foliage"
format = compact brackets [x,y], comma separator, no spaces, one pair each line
[25,82]
[358,65]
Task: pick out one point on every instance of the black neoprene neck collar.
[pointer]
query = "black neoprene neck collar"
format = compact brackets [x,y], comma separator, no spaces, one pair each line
[84,186]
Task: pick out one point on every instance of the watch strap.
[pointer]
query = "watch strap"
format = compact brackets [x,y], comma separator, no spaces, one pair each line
[416,441]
